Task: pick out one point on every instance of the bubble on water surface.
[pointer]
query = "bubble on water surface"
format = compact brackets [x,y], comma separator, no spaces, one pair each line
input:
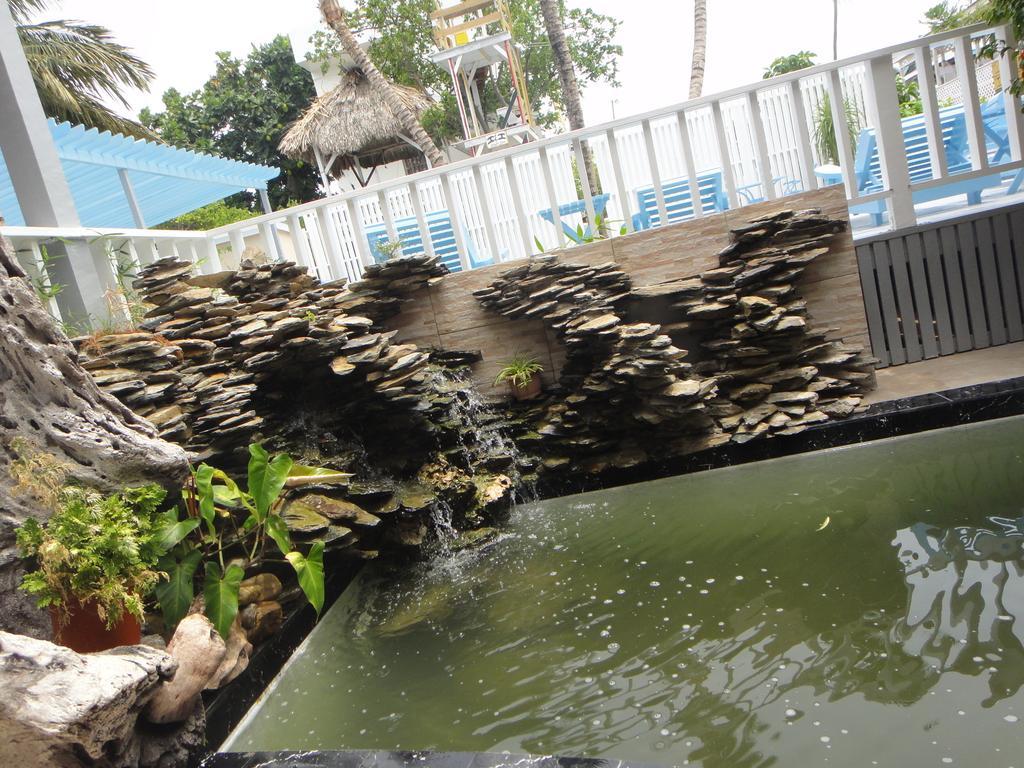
[1010,718]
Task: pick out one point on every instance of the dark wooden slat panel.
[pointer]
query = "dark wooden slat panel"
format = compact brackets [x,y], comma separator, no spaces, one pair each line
[1017,228]
[1007,278]
[872,307]
[972,285]
[887,295]
[990,280]
[905,299]
[922,300]
[955,288]
[937,287]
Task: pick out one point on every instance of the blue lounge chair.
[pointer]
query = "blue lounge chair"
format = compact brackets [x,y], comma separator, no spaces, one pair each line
[678,201]
[868,171]
[576,206]
[442,236]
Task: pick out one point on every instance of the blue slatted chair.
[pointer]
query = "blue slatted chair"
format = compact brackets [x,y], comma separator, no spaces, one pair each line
[678,201]
[442,236]
[868,170]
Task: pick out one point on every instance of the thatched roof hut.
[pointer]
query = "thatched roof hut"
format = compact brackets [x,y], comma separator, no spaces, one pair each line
[351,126]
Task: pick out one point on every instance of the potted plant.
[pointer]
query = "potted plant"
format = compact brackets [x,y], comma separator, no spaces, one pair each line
[95,561]
[522,374]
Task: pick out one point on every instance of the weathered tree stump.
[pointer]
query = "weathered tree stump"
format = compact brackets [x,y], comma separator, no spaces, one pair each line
[52,405]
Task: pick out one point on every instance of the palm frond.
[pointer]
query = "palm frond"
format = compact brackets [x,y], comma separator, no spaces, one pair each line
[75,65]
[22,10]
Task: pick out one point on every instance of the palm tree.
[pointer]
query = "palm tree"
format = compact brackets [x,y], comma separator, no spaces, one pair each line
[700,47]
[835,30]
[571,100]
[76,65]
[335,19]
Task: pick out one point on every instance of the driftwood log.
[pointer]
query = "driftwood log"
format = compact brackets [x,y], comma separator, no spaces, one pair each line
[199,651]
[50,403]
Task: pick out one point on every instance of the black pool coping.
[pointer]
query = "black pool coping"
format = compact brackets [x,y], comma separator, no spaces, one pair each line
[383,759]
[225,708]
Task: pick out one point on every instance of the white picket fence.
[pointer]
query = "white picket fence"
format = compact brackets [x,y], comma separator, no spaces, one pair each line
[758,139]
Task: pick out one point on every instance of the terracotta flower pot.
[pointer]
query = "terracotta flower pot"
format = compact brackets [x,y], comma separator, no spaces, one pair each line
[85,632]
[527,392]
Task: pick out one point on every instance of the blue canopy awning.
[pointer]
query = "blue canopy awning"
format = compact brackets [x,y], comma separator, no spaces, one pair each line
[167,181]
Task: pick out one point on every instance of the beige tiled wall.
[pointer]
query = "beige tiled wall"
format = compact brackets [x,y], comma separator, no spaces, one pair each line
[447,316]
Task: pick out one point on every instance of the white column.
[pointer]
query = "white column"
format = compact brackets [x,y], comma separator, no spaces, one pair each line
[43,193]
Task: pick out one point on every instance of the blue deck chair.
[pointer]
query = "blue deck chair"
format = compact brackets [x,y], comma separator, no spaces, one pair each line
[576,206]
[868,170]
[678,202]
[442,236]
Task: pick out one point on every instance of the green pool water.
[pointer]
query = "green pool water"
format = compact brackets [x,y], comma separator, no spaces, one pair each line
[853,607]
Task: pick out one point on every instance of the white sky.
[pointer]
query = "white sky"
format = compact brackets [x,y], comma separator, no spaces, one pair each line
[179,39]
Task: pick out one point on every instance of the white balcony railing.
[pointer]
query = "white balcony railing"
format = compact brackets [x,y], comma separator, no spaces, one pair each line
[727,150]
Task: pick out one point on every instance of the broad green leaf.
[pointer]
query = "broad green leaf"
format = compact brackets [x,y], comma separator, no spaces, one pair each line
[171,530]
[175,595]
[266,478]
[303,470]
[310,570]
[204,487]
[277,529]
[258,460]
[221,595]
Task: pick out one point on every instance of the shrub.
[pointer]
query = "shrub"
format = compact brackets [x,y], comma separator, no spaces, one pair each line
[95,549]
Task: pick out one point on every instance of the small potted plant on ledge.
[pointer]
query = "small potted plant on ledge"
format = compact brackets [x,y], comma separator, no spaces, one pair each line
[522,374]
[95,561]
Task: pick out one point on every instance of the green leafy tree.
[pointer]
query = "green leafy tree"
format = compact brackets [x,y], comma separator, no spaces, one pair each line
[75,66]
[218,214]
[790,63]
[909,94]
[950,14]
[241,113]
[402,44]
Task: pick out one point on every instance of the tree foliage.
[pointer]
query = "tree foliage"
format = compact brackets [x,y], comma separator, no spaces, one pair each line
[790,63]
[950,14]
[218,214]
[241,113]
[75,66]
[402,44]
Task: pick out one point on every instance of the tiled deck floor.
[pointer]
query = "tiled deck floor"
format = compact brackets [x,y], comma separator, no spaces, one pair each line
[940,373]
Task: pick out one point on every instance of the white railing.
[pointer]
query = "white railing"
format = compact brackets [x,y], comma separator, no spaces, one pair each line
[728,150]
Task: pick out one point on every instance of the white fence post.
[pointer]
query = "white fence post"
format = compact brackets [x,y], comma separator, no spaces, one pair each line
[837,103]
[808,179]
[518,207]
[549,186]
[728,177]
[972,109]
[620,182]
[764,166]
[456,222]
[652,164]
[889,134]
[331,244]
[303,256]
[930,104]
